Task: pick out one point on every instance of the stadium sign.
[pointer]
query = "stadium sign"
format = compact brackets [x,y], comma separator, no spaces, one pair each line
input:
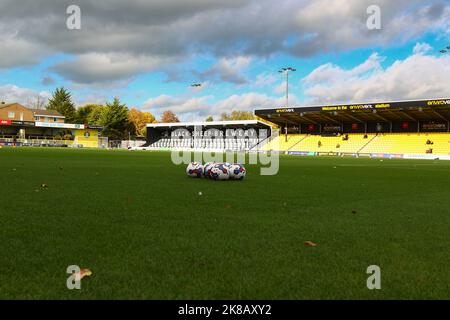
[438,102]
[21,123]
[285,110]
[357,107]
[391,105]
[92,126]
[301,153]
[59,125]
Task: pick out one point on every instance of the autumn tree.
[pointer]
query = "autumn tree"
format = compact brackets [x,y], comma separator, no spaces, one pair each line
[168,117]
[138,121]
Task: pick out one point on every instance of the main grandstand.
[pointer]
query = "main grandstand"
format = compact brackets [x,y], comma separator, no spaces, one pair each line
[416,129]
[391,129]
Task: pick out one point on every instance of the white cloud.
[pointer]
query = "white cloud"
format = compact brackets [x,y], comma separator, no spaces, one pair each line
[422,48]
[265,79]
[189,108]
[329,73]
[229,70]
[280,89]
[10,93]
[252,100]
[419,76]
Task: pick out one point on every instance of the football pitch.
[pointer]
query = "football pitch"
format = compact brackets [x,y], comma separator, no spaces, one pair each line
[142,227]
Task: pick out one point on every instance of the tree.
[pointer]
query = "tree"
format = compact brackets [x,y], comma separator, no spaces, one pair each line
[82,113]
[138,121]
[209,119]
[61,101]
[37,103]
[114,119]
[95,114]
[168,117]
[237,115]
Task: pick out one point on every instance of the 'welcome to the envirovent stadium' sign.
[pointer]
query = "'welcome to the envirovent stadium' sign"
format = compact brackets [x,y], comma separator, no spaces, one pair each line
[357,107]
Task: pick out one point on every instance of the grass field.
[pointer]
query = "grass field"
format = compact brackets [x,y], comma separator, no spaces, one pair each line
[141,226]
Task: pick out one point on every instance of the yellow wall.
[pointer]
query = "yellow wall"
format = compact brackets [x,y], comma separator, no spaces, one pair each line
[87,137]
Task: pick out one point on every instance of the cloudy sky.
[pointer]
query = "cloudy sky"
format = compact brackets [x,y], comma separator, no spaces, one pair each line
[148,52]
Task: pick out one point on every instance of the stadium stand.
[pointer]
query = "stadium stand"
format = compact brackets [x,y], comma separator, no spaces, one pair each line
[397,143]
[390,128]
[373,129]
[402,143]
[241,135]
[279,143]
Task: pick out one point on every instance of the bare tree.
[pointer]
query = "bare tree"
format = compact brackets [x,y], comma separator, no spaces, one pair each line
[38,102]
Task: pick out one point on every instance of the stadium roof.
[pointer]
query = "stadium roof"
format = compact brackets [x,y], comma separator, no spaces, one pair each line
[235,123]
[421,110]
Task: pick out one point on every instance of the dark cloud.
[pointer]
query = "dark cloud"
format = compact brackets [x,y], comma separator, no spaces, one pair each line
[155,32]
[48,81]
[227,70]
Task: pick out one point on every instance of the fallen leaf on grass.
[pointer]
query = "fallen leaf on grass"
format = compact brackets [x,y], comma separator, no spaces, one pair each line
[83,273]
[310,244]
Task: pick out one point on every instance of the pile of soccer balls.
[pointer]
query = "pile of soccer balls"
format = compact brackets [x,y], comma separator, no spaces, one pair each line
[216,171]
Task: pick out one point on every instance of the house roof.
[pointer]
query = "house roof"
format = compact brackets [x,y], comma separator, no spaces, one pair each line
[36,112]
[47,113]
[3,105]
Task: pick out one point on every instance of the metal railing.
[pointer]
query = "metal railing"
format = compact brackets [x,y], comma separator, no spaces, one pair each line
[36,141]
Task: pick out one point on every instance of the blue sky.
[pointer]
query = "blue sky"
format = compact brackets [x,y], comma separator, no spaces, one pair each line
[149,53]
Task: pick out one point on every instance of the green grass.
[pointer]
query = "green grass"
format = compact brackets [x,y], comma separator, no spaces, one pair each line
[140,225]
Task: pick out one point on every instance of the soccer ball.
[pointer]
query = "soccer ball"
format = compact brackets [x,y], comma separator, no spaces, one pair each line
[227,164]
[237,172]
[207,169]
[194,170]
[219,172]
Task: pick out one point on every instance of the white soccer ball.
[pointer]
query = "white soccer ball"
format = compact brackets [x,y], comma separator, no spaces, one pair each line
[194,170]
[219,172]
[207,169]
[227,164]
[237,172]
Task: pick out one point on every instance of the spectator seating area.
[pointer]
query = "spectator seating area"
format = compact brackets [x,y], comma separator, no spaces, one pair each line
[395,143]
[210,144]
